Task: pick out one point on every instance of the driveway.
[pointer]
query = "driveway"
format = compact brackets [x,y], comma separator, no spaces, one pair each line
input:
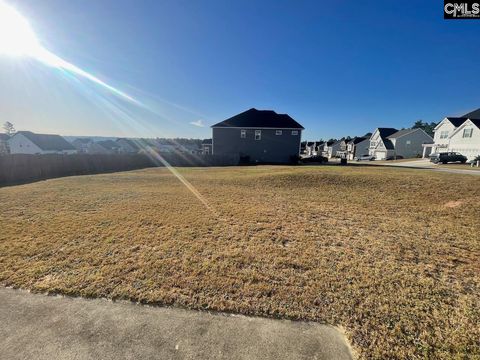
[54,327]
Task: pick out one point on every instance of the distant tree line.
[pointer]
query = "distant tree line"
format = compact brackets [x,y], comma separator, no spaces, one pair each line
[425,126]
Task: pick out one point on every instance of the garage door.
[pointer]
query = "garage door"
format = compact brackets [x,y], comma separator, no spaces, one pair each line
[380,155]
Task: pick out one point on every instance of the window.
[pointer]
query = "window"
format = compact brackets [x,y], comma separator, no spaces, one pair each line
[443,134]
[243,134]
[294,132]
[206,150]
[278,132]
[409,142]
[258,134]
[467,133]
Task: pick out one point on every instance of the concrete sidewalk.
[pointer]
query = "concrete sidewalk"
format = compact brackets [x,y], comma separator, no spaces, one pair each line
[47,327]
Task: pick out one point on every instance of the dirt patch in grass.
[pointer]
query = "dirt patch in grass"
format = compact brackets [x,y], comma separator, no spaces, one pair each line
[453,204]
[371,249]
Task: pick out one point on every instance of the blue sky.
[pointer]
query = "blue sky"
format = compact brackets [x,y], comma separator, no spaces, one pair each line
[339,68]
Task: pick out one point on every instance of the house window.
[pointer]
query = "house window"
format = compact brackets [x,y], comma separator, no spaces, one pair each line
[243,134]
[372,143]
[278,132]
[443,134]
[258,134]
[467,133]
[294,132]
[409,142]
[206,150]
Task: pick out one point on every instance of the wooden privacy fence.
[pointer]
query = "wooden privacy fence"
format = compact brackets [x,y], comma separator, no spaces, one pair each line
[22,168]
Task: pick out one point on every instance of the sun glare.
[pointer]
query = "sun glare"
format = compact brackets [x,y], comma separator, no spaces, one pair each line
[16,36]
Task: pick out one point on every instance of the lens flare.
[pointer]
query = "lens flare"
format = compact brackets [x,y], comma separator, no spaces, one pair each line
[18,39]
[16,36]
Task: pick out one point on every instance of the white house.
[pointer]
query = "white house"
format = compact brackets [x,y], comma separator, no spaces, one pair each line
[389,143]
[26,142]
[443,131]
[466,139]
[458,134]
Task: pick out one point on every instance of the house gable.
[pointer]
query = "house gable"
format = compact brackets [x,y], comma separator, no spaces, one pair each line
[468,123]
[20,144]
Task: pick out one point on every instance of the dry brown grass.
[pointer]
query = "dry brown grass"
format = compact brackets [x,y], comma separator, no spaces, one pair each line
[376,250]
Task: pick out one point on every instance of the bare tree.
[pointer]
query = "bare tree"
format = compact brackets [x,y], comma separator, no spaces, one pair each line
[9,128]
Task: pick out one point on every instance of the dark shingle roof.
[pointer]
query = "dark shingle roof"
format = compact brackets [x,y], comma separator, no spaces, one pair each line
[207,141]
[108,144]
[357,139]
[254,118]
[384,134]
[476,122]
[401,133]
[48,142]
[83,140]
[4,137]
[475,114]
[457,121]
[133,144]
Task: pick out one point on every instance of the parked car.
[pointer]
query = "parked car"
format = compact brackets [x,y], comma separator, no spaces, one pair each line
[364,158]
[447,157]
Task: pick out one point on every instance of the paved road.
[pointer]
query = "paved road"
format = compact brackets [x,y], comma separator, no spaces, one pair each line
[46,327]
[423,164]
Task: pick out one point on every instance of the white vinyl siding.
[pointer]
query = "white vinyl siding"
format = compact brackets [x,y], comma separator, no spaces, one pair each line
[467,133]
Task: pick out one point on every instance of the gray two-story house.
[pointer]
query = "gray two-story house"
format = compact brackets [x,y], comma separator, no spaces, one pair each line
[258,136]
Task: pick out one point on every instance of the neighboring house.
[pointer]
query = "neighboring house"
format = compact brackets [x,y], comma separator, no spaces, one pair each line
[342,151]
[466,139]
[4,149]
[330,148]
[103,147]
[88,146]
[258,136]
[207,147]
[388,143]
[127,146]
[311,148]
[314,148]
[357,147]
[443,131]
[81,144]
[303,147]
[26,142]
[166,148]
[448,135]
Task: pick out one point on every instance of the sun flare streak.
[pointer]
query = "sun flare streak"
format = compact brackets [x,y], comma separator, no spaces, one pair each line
[17,39]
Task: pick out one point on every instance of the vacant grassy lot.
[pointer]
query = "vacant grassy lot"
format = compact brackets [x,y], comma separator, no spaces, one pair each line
[392,255]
